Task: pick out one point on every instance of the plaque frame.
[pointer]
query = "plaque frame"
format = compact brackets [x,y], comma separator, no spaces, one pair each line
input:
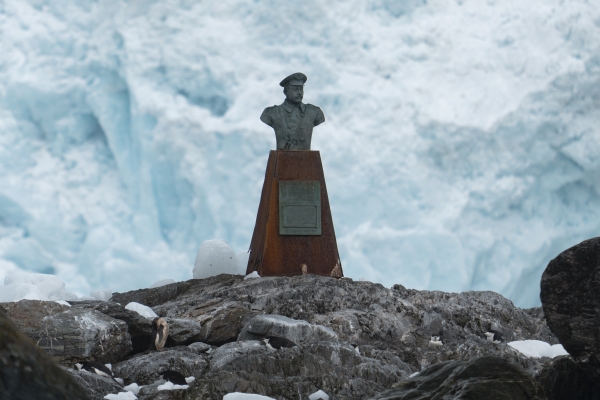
[300,208]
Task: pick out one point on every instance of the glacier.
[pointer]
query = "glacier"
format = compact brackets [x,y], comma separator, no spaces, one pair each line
[460,148]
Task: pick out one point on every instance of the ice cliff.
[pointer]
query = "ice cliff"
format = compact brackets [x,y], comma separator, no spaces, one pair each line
[460,149]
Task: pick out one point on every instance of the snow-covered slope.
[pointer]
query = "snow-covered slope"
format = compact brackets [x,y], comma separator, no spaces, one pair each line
[460,149]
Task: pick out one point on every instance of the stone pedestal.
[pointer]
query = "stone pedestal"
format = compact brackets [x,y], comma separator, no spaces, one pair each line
[294,232]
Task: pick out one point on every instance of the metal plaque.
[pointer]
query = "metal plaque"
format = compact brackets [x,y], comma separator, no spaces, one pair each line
[299,208]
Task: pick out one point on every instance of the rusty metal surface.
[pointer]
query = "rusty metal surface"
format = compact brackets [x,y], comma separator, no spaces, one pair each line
[272,254]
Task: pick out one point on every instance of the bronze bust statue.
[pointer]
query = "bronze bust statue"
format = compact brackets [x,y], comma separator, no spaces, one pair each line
[293,121]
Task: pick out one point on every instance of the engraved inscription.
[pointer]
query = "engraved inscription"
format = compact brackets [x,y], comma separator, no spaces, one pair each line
[299,216]
[299,207]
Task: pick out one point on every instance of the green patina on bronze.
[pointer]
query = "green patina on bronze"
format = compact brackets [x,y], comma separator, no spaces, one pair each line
[299,208]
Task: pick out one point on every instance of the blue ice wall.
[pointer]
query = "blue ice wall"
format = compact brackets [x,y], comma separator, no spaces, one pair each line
[460,148]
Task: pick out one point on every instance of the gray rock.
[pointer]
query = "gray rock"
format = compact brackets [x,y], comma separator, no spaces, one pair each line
[184,331]
[70,335]
[139,327]
[484,378]
[564,379]
[569,294]
[95,386]
[144,369]
[277,325]
[151,392]
[200,348]
[249,367]
[26,372]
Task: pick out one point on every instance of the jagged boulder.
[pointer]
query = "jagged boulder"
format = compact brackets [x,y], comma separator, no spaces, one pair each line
[565,379]
[484,378]
[249,367]
[145,369]
[94,385]
[27,372]
[277,325]
[70,335]
[569,293]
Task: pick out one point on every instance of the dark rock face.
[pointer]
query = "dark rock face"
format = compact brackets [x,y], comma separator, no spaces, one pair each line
[570,298]
[484,378]
[146,368]
[70,335]
[564,379]
[27,372]
[95,386]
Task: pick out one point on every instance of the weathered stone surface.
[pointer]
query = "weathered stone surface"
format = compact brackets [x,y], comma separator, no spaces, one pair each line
[200,348]
[484,378]
[184,331]
[139,327]
[154,296]
[27,372]
[144,369]
[250,367]
[277,325]
[564,379]
[70,335]
[151,392]
[94,385]
[569,294]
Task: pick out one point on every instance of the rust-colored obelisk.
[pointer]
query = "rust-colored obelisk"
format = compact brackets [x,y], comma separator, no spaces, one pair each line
[275,254]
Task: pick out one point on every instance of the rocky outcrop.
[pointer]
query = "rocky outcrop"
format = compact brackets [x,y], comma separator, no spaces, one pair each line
[27,372]
[94,385]
[569,293]
[298,332]
[355,339]
[565,379]
[70,335]
[146,368]
[484,378]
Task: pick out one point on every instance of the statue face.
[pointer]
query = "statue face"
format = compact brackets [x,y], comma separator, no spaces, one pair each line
[294,93]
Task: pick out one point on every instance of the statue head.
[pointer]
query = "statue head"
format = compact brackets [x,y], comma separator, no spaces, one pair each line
[293,87]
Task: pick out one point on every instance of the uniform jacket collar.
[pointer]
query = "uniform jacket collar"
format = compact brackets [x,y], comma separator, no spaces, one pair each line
[289,107]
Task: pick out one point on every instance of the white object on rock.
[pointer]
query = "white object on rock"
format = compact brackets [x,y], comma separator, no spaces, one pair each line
[63,302]
[242,258]
[19,285]
[161,282]
[215,257]
[318,395]
[102,294]
[538,348]
[414,374]
[252,275]
[245,396]
[133,388]
[121,396]
[141,309]
[190,379]
[171,386]
[120,380]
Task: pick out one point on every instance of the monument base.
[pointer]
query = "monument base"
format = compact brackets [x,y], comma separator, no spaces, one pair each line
[301,240]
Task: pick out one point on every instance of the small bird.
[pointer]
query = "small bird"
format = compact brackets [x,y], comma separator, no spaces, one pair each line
[96,368]
[494,336]
[435,341]
[276,343]
[160,332]
[174,377]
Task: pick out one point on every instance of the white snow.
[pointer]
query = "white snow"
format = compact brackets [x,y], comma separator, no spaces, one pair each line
[215,257]
[162,282]
[102,294]
[141,309]
[120,381]
[133,388]
[252,275]
[171,386]
[414,374]
[190,379]
[121,396]
[538,348]
[460,147]
[245,396]
[63,302]
[319,394]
